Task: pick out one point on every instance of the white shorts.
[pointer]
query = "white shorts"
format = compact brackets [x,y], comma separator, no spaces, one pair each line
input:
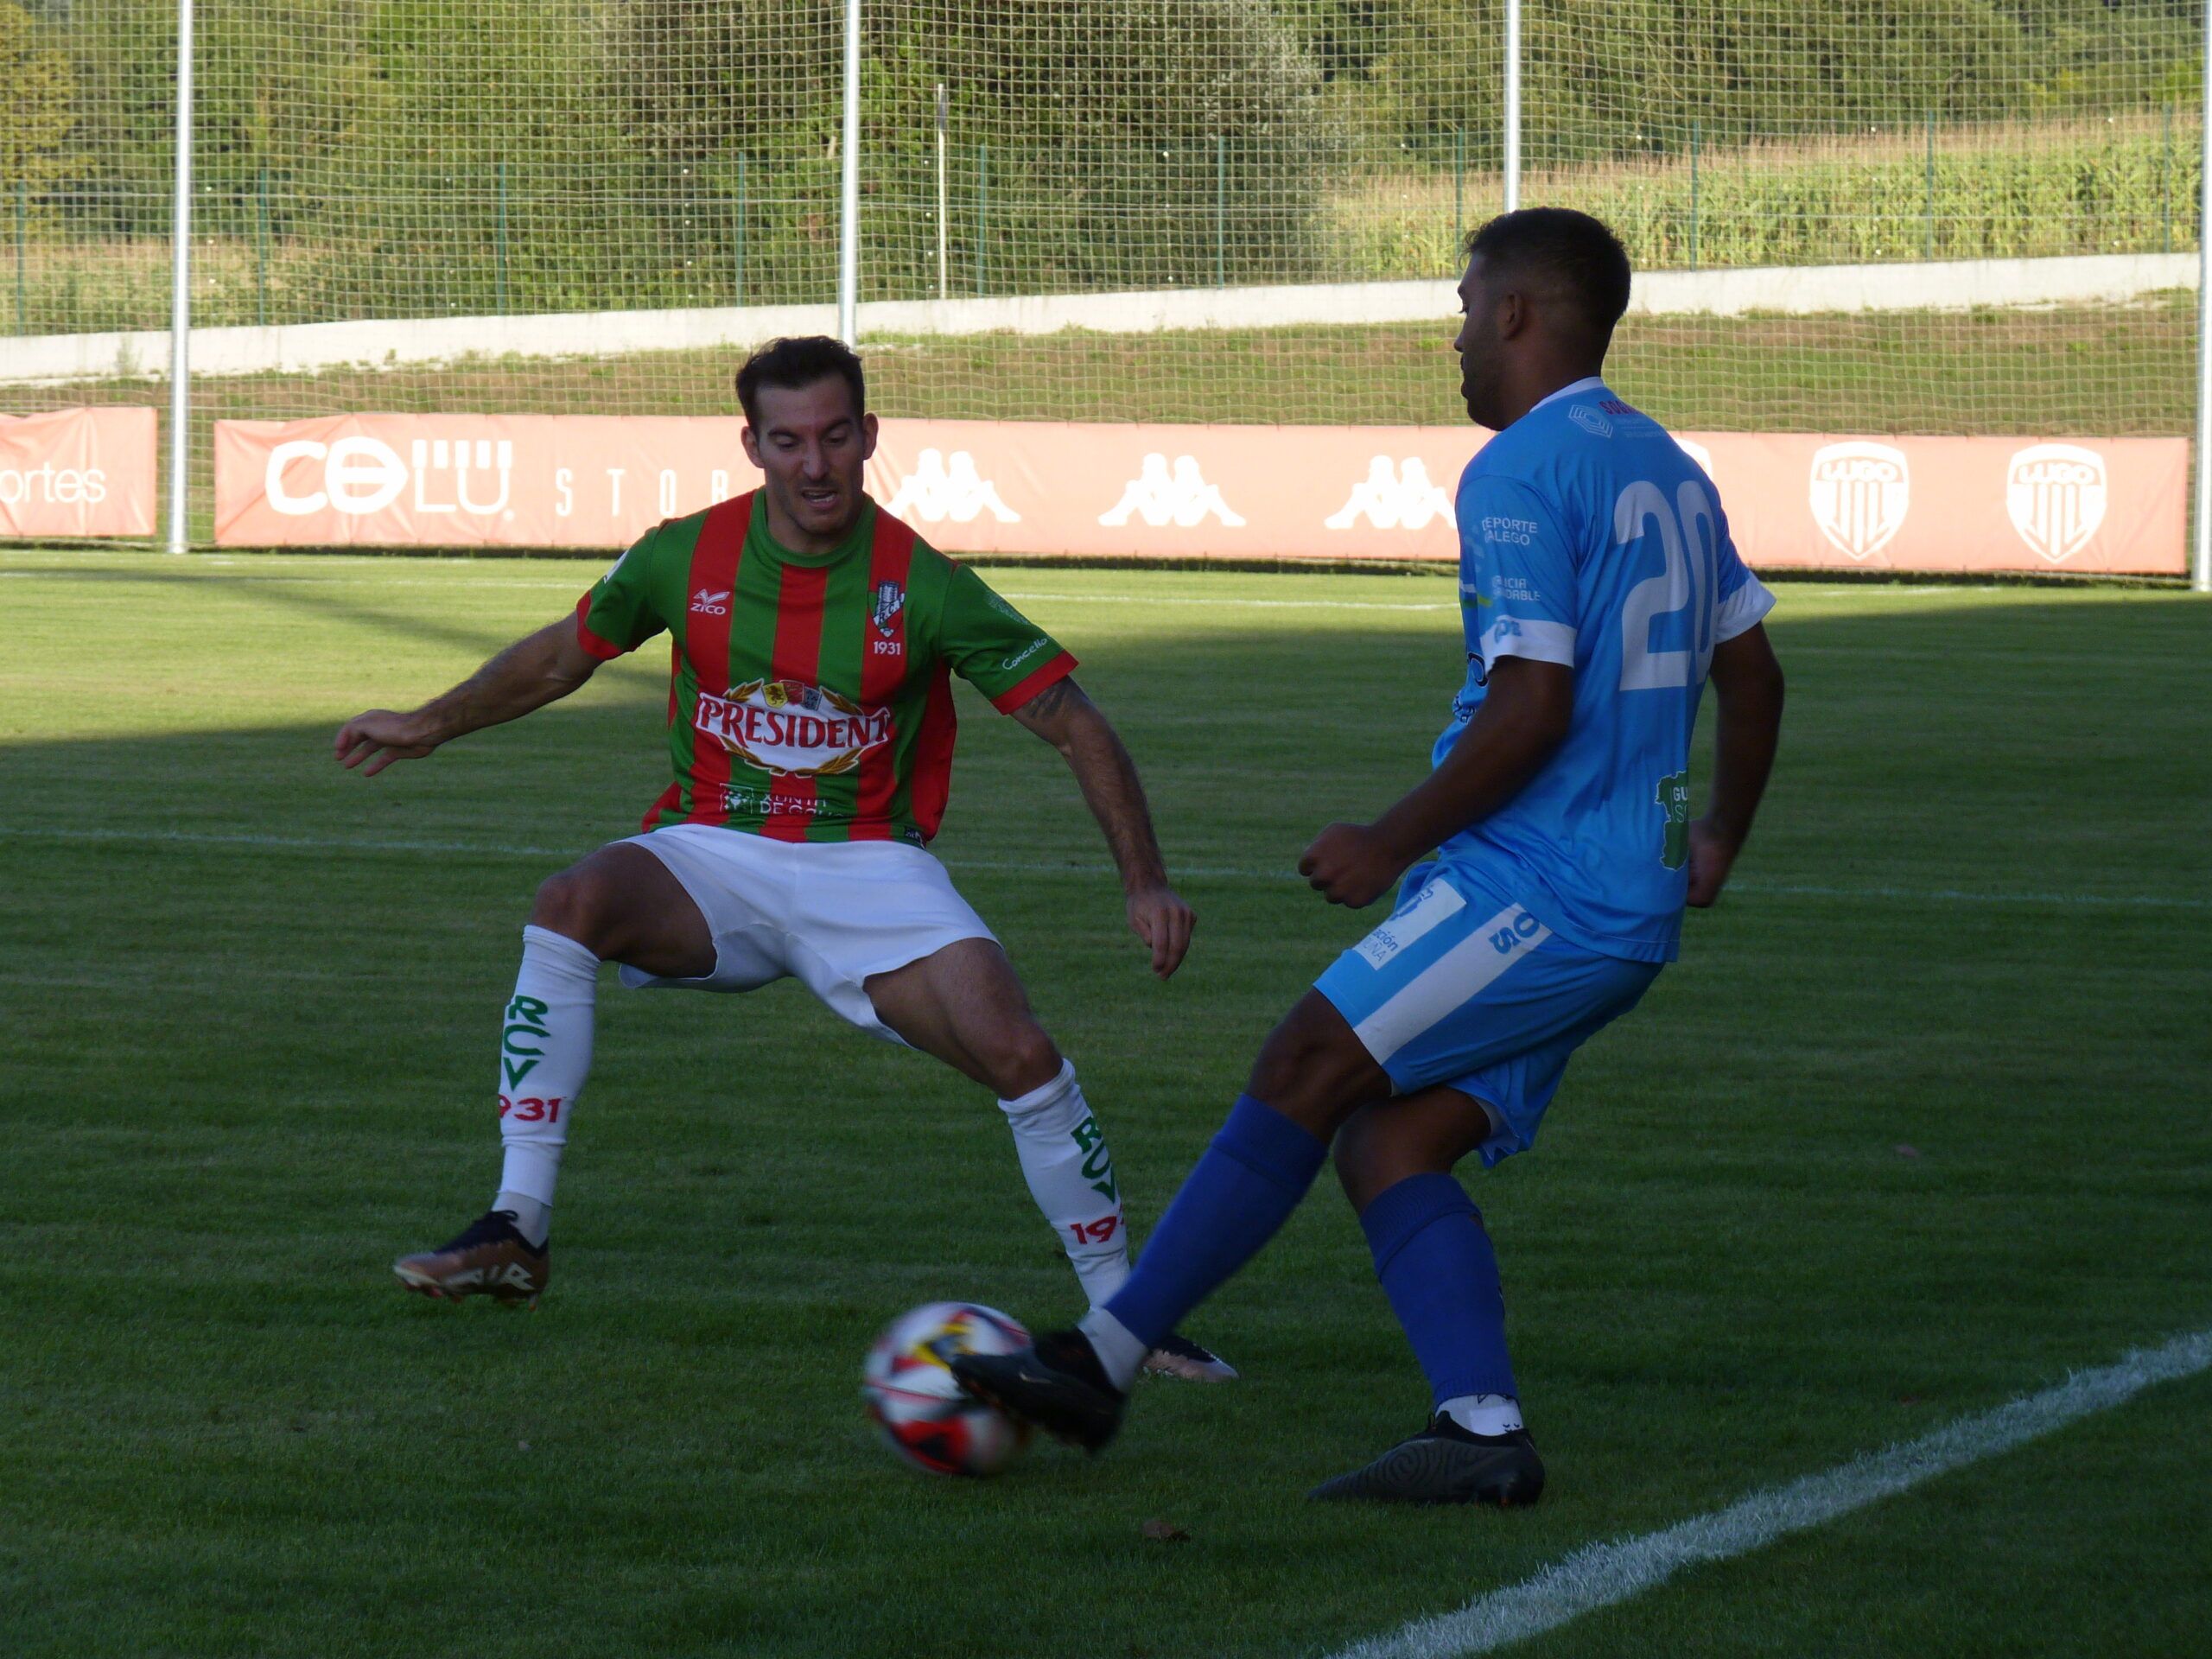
[828,914]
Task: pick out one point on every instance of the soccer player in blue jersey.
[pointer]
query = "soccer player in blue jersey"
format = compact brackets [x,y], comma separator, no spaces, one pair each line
[1600,590]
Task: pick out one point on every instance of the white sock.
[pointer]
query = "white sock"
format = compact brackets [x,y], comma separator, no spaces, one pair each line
[1120,1354]
[1484,1414]
[533,1219]
[545,1056]
[1071,1174]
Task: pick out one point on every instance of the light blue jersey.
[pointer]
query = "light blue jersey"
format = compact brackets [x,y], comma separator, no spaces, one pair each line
[1589,538]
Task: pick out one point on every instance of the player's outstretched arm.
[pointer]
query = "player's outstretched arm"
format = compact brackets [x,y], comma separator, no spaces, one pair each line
[527,674]
[1070,723]
[1748,680]
[1523,718]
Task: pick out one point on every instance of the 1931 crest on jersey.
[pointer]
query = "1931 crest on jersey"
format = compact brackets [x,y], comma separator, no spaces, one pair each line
[889,598]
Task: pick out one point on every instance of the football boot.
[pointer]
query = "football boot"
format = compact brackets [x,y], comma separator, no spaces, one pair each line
[1179,1357]
[1058,1386]
[489,1258]
[1445,1463]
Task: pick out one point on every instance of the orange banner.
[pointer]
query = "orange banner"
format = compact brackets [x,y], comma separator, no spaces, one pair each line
[1186,492]
[77,471]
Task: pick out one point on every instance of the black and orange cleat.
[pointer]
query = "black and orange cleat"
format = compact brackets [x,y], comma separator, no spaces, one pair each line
[490,1258]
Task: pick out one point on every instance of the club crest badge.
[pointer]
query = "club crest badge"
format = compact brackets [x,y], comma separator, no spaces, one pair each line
[2055,495]
[1859,494]
[889,598]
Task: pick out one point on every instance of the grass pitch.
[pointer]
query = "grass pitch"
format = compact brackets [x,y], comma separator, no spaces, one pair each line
[1915,1126]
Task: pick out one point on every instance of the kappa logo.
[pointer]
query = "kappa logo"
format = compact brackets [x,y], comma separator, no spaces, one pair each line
[709,602]
[1859,493]
[1395,495]
[1158,496]
[2055,494]
[938,489]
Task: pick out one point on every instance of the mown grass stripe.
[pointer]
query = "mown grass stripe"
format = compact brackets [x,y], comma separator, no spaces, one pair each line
[1021,866]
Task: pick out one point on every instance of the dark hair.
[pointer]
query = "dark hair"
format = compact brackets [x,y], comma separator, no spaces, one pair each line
[1562,248]
[788,365]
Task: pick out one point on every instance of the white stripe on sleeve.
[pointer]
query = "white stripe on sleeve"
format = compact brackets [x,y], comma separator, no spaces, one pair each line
[1743,610]
[1522,636]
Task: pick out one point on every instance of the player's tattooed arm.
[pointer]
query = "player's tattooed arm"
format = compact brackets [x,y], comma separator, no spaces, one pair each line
[529,674]
[1071,723]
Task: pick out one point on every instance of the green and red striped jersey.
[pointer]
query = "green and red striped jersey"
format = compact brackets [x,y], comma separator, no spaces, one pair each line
[810,698]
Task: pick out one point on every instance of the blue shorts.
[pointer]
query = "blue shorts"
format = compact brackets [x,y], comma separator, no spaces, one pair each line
[1463,987]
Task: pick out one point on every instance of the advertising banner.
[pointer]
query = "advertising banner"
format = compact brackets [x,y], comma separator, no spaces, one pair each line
[77,471]
[2085,506]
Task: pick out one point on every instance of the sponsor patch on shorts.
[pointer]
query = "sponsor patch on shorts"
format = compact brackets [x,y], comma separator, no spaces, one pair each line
[1436,903]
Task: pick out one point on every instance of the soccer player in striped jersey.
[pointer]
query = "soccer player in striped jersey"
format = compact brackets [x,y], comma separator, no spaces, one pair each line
[811,726]
[1599,588]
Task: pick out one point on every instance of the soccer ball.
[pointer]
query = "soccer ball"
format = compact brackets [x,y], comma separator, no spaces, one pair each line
[912,1395]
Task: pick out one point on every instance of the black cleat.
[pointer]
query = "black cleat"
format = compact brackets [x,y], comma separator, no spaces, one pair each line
[1444,1464]
[1058,1386]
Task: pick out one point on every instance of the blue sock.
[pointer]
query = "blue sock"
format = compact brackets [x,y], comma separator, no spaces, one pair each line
[1437,1269]
[1242,1189]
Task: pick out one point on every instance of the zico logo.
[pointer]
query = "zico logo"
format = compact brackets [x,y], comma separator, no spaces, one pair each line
[792,729]
[525,1018]
[362,475]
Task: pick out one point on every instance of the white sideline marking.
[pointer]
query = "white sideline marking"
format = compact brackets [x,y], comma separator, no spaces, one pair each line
[1603,1575]
[1040,867]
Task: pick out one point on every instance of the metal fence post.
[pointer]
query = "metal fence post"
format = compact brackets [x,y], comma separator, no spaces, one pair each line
[261,243]
[181,286]
[849,209]
[943,122]
[2201,565]
[1220,212]
[1512,105]
[1697,144]
[738,256]
[501,175]
[1458,192]
[982,219]
[22,235]
[2166,187]
[1929,250]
